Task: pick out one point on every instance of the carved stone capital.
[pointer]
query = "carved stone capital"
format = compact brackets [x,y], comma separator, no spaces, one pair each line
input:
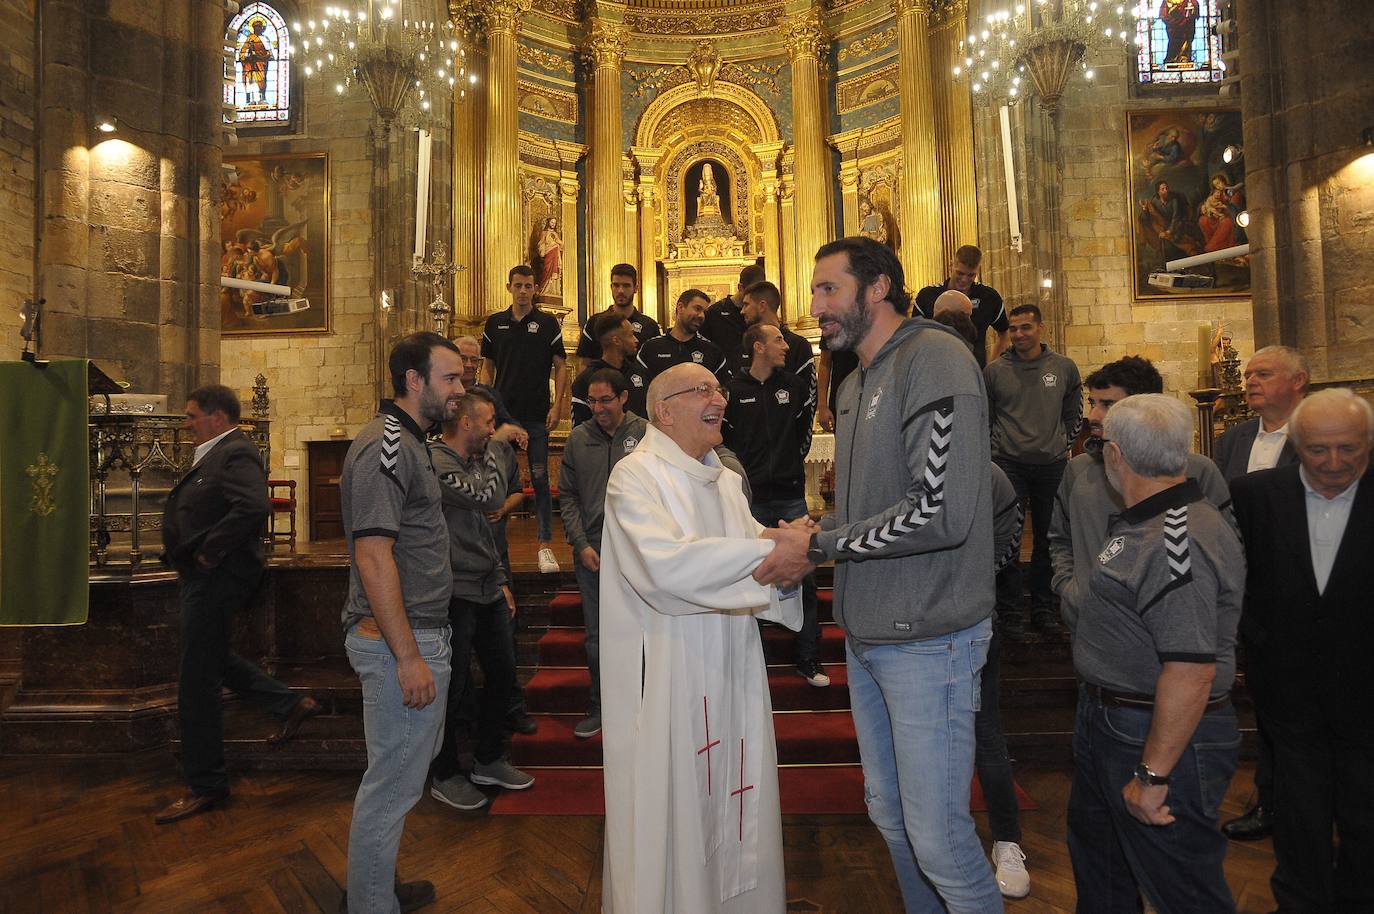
[901,8]
[605,46]
[804,35]
[568,189]
[648,194]
[501,17]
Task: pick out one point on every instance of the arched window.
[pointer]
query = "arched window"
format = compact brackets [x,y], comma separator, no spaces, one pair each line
[258,49]
[1177,43]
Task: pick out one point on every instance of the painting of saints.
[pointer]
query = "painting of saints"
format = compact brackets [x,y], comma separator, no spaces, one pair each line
[550,266]
[254,55]
[871,223]
[1166,150]
[1180,19]
[1217,215]
[1165,224]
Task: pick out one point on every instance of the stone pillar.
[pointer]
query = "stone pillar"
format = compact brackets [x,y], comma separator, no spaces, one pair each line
[649,199]
[471,295]
[606,51]
[501,230]
[806,41]
[954,127]
[767,155]
[920,184]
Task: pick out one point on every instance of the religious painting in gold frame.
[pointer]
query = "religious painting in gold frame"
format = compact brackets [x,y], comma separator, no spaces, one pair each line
[1186,199]
[274,212]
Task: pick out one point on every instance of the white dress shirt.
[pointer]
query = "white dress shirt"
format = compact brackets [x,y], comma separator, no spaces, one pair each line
[1326,520]
[1264,453]
[203,449]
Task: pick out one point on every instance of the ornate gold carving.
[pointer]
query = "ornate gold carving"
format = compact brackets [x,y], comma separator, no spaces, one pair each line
[804,35]
[673,190]
[869,44]
[606,45]
[651,79]
[670,99]
[723,22]
[502,16]
[759,75]
[864,90]
[901,7]
[710,112]
[569,10]
[704,64]
[543,59]
[42,472]
[546,102]
[943,12]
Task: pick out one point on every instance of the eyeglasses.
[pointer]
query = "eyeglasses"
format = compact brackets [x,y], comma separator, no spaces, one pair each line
[704,390]
[602,401]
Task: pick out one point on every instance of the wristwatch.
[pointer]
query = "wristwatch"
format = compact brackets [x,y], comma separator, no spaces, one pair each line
[814,553]
[1144,775]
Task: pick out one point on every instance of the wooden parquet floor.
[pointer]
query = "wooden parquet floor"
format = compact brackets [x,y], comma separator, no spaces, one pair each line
[78,836]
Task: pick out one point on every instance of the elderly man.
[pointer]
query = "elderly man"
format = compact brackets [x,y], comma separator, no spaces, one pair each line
[954,300]
[1275,382]
[1308,636]
[1156,739]
[693,821]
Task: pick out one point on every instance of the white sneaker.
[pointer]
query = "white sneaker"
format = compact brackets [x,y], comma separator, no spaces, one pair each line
[1010,861]
[813,674]
[547,563]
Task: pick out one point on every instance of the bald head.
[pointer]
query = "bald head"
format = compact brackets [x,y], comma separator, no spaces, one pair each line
[690,417]
[953,300]
[1333,431]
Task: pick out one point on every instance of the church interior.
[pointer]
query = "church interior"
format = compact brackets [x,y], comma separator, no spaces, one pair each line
[268,194]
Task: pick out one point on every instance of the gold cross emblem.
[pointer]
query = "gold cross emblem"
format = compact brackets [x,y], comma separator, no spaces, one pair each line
[42,473]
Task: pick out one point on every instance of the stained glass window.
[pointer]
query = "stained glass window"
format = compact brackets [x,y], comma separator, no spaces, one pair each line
[258,49]
[1177,42]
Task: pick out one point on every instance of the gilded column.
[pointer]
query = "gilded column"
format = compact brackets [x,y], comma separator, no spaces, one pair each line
[849,195]
[501,210]
[606,50]
[796,264]
[469,305]
[568,190]
[631,198]
[920,184]
[647,160]
[954,127]
[806,42]
[767,154]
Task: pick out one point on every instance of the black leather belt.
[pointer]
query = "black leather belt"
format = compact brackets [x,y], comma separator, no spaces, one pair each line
[1114,699]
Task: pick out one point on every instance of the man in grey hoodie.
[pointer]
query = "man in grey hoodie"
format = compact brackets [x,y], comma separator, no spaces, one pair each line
[593,448]
[912,542]
[1035,402]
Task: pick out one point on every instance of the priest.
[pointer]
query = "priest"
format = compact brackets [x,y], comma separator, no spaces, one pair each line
[693,822]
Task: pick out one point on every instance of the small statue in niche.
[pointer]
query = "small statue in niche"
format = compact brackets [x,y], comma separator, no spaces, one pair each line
[871,223]
[708,200]
[550,266]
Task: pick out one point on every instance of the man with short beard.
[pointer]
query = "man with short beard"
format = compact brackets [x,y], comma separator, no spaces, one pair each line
[624,285]
[395,618]
[684,343]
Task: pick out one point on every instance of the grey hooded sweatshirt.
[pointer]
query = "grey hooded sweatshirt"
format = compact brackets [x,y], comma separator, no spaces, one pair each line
[1035,406]
[471,488]
[911,535]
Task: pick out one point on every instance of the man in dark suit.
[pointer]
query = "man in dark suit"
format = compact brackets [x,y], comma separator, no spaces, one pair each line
[1309,636]
[212,536]
[1275,382]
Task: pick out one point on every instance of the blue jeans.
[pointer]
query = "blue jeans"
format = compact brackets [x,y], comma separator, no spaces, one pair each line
[401,742]
[537,453]
[914,706]
[1115,856]
[769,513]
[589,584]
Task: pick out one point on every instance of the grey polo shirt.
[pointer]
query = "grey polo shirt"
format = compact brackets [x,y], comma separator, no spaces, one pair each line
[1166,586]
[388,488]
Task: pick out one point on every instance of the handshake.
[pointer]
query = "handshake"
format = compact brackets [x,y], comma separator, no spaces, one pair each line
[787,564]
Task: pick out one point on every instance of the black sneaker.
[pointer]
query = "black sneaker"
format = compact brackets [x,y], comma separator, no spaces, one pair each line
[412,896]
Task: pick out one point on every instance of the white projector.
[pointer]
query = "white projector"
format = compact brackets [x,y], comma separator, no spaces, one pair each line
[1170,282]
[275,307]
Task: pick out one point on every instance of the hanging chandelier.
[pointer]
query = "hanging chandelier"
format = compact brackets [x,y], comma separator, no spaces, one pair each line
[1036,46]
[408,65]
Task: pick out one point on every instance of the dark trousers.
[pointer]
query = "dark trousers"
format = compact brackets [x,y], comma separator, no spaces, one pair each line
[589,585]
[769,513]
[990,757]
[1115,856]
[1036,485]
[484,629]
[1320,778]
[208,604]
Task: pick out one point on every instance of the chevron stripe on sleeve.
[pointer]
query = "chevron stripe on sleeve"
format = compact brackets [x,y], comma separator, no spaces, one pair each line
[1176,543]
[391,449]
[488,490]
[932,492]
[1015,545]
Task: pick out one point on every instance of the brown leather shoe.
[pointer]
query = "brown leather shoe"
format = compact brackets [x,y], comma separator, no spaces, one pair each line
[190,805]
[305,709]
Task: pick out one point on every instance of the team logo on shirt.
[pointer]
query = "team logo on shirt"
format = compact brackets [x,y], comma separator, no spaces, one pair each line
[696,356]
[784,397]
[636,326]
[873,404]
[1049,379]
[532,328]
[1112,551]
[636,380]
[630,443]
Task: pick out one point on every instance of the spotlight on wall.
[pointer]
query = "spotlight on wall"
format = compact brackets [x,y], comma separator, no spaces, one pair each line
[107,124]
[1243,219]
[1231,154]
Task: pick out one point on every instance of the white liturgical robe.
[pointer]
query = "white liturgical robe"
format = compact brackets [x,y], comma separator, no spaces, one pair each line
[693,821]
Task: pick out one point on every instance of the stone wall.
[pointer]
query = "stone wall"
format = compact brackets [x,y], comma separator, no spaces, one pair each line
[18,131]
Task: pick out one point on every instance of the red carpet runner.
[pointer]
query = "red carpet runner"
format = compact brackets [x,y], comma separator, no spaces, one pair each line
[817,753]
